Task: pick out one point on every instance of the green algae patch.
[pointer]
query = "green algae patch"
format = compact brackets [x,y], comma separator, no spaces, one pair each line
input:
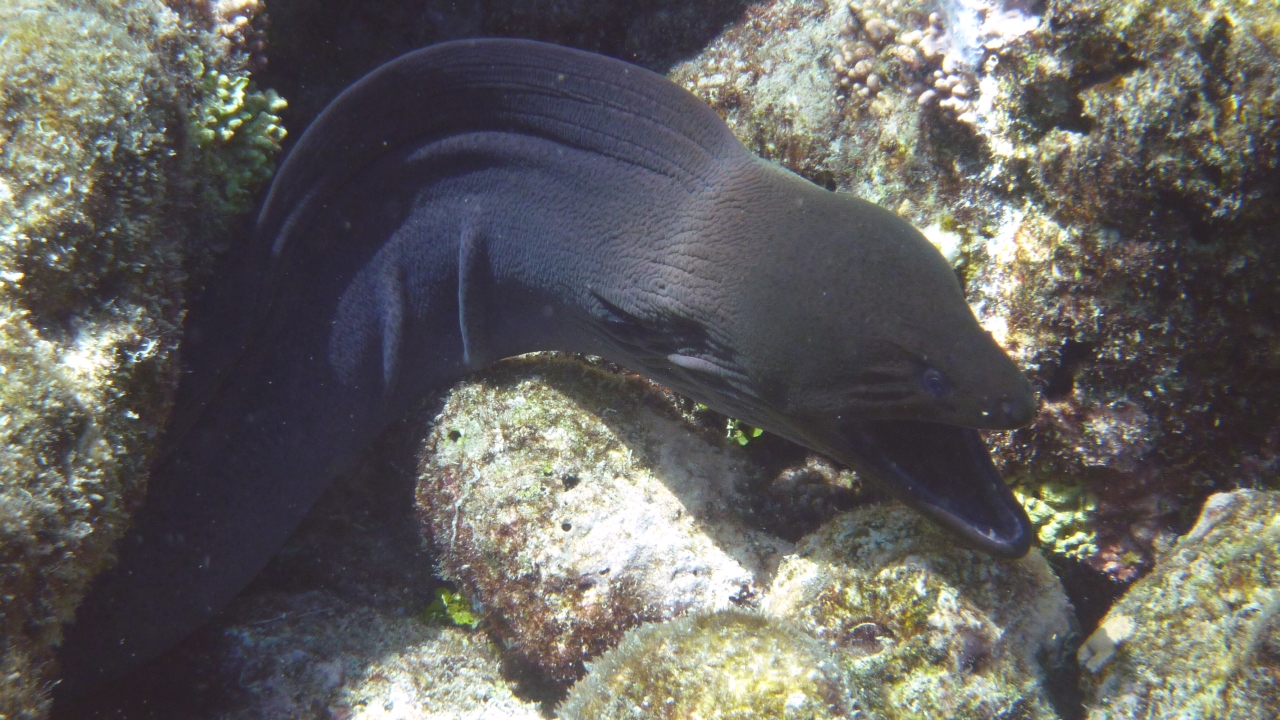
[1198,637]
[924,628]
[451,608]
[741,433]
[726,665]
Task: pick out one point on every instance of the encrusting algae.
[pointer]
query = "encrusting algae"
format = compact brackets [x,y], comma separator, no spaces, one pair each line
[725,665]
[570,504]
[924,628]
[98,232]
[1199,637]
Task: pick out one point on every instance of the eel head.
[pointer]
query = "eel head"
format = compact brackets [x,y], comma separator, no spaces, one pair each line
[877,360]
[837,325]
[851,335]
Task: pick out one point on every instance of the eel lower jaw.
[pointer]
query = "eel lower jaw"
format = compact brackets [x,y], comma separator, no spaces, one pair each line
[946,473]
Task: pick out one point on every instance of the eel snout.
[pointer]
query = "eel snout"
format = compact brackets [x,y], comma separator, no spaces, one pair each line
[943,471]
[1007,411]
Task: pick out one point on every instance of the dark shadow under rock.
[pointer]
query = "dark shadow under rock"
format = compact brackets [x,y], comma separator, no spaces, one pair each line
[358,558]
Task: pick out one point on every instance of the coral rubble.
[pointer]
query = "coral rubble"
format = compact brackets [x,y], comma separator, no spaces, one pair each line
[1199,637]
[571,504]
[925,628]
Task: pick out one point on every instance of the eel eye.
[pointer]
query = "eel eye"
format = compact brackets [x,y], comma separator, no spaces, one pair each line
[935,383]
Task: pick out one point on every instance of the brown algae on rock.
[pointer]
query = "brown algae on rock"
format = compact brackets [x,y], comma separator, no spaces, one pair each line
[571,504]
[722,665]
[925,629]
[1199,637]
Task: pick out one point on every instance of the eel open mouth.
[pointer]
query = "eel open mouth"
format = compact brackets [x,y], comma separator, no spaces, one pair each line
[946,473]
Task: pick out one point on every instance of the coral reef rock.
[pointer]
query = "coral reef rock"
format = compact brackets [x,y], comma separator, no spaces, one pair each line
[727,664]
[571,504]
[98,221]
[89,305]
[316,656]
[926,628]
[1102,176]
[1199,637]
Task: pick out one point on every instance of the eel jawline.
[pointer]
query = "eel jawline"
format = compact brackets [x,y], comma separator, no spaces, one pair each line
[946,473]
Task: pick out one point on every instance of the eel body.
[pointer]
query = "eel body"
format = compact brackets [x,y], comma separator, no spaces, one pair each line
[481,199]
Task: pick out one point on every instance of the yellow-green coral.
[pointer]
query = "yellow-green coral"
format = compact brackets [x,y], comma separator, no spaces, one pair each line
[728,664]
[238,131]
[1063,515]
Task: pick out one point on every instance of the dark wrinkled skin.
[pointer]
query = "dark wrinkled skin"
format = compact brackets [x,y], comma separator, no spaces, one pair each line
[478,200]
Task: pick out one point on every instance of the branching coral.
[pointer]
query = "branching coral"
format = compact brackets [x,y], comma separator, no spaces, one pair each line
[237,130]
[1062,514]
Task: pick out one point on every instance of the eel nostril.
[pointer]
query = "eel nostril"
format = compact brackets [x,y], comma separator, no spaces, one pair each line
[1007,409]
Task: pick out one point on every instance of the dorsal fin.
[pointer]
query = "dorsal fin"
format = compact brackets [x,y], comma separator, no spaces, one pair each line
[576,98]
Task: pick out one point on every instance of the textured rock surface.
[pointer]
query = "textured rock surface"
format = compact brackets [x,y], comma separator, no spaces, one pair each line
[926,629]
[335,627]
[729,664]
[1102,175]
[97,222]
[1199,637]
[89,303]
[571,504]
[1149,130]
[319,657]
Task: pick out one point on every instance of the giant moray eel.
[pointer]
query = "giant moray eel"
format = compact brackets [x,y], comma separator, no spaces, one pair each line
[481,199]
